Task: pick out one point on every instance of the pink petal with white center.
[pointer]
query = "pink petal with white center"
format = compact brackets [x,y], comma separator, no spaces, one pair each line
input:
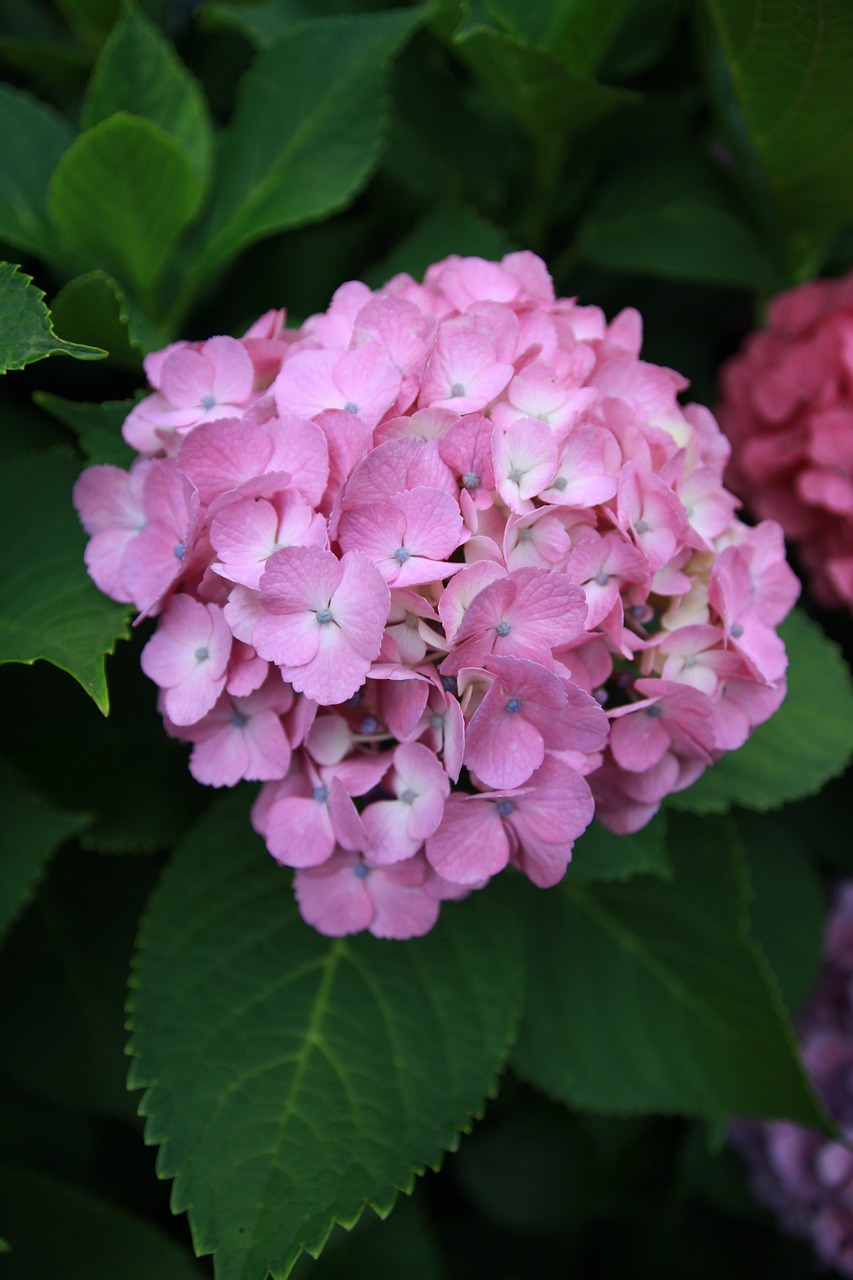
[462,372]
[423,424]
[299,449]
[242,613]
[400,328]
[403,906]
[299,830]
[467,450]
[402,703]
[639,740]
[233,371]
[652,512]
[538,540]
[187,657]
[502,748]
[186,377]
[347,441]
[524,615]
[386,823]
[247,532]
[219,456]
[461,590]
[524,458]
[588,463]
[246,671]
[333,897]
[471,844]
[556,804]
[109,504]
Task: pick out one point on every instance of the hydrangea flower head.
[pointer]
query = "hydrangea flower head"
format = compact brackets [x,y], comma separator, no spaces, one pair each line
[787,407]
[448,570]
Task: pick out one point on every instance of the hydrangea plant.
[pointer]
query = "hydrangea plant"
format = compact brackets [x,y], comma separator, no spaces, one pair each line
[521,779]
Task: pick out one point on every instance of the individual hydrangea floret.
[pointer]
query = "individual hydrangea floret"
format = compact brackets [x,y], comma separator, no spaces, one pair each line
[787,407]
[448,570]
[804,1176]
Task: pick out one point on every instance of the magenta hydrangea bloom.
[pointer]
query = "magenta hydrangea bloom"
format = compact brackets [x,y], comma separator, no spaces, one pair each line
[805,1176]
[787,407]
[447,570]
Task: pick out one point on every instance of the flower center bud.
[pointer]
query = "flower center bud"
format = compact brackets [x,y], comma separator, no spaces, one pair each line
[179,550]
[238,720]
[323,615]
[202,653]
[208,401]
[457,390]
[503,628]
[349,407]
[408,796]
[402,554]
[513,705]
[505,807]
[321,794]
[470,480]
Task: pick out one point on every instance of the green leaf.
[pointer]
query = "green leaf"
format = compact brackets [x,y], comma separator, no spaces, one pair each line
[449,228]
[789,65]
[292,1078]
[90,20]
[578,31]
[787,909]
[50,608]
[402,1246]
[93,307]
[601,855]
[319,90]
[33,830]
[120,197]
[96,426]
[34,138]
[807,742]
[262,23]
[63,983]
[26,329]
[671,216]
[552,101]
[54,1229]
[131,778]
[138,72]
[650,996]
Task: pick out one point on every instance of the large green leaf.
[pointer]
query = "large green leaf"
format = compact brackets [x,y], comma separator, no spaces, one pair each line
[787,909]
[578,31]
[120,197]
[550,99]
[32,832]
[34,138]
[450,228]
[139,72]
[650,996]
[670,215]
[319,92]
[63,983]
[93,307]
[53,1229]
[600,855]
[50,608]
[96,426]
[26,328]
[807,742]
[131,778]
[291,1078]
[789,65]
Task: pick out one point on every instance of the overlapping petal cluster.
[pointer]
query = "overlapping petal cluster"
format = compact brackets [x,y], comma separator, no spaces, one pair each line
[788,410]
[805,1176]
[446,569]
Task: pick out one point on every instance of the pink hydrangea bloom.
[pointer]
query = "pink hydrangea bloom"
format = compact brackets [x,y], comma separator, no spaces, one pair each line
[447,570]
[804,1176]
[787,408]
